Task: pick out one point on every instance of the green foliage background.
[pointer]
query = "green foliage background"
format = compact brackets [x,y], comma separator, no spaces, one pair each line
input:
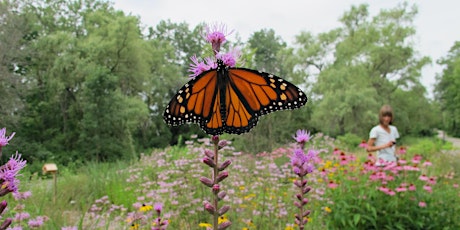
[81,81]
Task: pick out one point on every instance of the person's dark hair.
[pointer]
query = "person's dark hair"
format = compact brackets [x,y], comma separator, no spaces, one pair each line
[386,110]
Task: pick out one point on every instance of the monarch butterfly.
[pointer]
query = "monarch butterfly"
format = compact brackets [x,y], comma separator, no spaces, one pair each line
[227,99]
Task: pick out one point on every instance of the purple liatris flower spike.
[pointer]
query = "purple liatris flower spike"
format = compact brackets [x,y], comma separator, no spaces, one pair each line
[302,163]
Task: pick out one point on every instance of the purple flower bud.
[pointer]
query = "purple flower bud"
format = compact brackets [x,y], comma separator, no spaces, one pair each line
[225,165]
[305,221]
[304,182]
[206,181]
[6,223]
[224,225]
[304,201]
[208,207]
[209,162]
[4,189]
[297,217]
[222,176]
[298,183]
[223,143]
[216,188]
[223,210]
[209,153]
[215,139]
[306,213]
[306,190]
[299,197]
[297,204]
[221,195]
[3,205]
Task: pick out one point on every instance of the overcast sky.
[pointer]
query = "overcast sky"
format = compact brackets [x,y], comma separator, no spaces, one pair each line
[437,23]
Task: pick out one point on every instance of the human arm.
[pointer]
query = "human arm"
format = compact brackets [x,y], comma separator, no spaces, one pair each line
[372,148]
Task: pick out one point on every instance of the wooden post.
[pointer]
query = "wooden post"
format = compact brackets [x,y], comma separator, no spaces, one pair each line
[52,168]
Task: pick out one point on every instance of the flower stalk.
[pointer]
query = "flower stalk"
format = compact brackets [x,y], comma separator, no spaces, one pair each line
[302,164]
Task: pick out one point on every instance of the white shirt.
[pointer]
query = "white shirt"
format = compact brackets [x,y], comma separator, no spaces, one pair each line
[382,137]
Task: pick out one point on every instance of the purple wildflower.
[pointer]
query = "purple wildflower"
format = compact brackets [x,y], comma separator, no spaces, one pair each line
[302,136]
[197,67]
[37,222]
[69,228]
[215,35]
[8,173]
[158,207]
[21,216]
[22,195]
[4,139]
[230,58]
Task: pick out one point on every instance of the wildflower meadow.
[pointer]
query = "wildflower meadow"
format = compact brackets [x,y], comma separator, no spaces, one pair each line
[315,182]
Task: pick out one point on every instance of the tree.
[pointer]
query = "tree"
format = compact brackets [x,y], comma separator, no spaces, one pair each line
[447,88]
[13,30]
[362,65]
[85,61]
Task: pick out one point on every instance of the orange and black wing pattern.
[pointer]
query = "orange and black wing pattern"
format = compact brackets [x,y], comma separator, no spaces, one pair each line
[197,101]
[231,100]
[251,94]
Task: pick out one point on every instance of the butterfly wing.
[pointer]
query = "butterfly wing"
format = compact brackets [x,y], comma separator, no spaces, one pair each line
[231,100]
[198,101]
[250,94]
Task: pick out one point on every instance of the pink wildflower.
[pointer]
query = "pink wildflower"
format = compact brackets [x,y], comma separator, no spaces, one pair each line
[402,150]
[428,188]
[422,204]
[401,189]
[427,163]
[416,159]
[384,189]
[363,144]
[423,177]
[332,185]
[336,151]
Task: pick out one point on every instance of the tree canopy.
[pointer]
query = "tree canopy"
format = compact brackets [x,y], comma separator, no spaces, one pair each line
[82,81]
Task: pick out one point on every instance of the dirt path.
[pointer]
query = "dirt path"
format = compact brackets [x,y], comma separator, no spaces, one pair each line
[455,141]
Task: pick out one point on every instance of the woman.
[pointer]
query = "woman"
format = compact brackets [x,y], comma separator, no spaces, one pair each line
[382,138]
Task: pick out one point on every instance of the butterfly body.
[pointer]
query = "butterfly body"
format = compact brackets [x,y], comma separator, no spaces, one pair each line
[231,100]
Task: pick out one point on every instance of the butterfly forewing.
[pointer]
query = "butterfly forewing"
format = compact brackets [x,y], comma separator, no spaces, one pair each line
[264,93]
[193,102]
